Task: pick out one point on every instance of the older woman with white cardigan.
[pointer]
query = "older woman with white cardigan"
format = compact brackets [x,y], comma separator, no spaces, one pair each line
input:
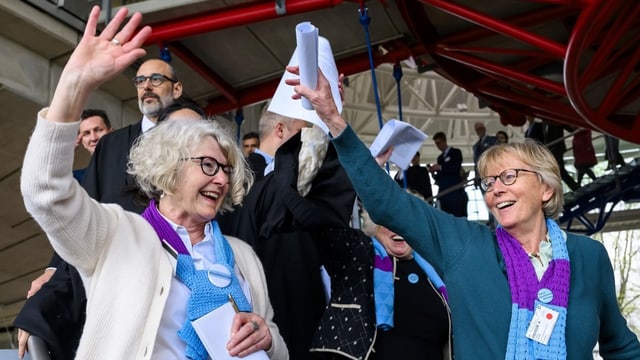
[144,274]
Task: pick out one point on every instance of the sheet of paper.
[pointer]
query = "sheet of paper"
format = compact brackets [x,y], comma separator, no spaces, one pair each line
[214,330]
[307,42]
[283,104]
[405,139]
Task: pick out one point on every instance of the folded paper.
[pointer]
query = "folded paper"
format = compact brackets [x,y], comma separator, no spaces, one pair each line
[403,137]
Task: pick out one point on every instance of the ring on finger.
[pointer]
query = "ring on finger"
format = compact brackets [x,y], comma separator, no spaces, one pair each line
[115,42]
[255,325]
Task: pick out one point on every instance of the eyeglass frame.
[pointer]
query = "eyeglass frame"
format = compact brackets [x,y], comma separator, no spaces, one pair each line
[226,168]
[487,188]
[150,78]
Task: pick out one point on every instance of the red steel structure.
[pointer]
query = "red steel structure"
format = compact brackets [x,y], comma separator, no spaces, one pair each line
[574,62]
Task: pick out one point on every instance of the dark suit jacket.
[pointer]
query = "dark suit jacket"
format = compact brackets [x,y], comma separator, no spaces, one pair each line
[535,131]
[553,132]
[56,313]
[454,202]
[480,146]
[257,163]
[418,179]
[449,174]
[106,178]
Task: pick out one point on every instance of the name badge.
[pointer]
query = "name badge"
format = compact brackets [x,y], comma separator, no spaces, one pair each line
[542,324]
[447,159]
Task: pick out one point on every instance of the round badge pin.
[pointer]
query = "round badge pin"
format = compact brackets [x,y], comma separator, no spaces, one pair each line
[413,278]
[219,275]
[545,295]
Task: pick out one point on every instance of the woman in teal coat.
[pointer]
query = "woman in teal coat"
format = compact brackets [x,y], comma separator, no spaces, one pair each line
[527,290]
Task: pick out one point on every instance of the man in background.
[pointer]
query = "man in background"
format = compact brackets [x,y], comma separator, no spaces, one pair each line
[417,178]
[554,140]
[274,131]
[447,175]
[106,179]
[94,124]
[484,142]
[250,142]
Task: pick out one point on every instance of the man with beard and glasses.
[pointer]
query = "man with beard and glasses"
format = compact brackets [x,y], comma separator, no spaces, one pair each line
[59,306]
[106,179]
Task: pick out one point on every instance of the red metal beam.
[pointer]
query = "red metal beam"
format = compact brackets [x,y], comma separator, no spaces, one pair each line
[491,50]
[503,71]
[610,41]
[203,70]
[619,89]
[523,66]
[347,66]
[609,116]
[499,26]
[230,17]
[543,109]
[244,97]
[522,21]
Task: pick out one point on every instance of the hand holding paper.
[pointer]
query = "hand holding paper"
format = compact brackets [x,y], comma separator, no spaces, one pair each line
[214,330]
[283,104]
[403,137]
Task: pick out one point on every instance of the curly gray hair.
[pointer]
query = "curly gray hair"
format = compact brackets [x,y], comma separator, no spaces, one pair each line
[157,157]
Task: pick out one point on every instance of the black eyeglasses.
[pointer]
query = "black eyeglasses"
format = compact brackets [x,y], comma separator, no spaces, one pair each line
[507,177]
[156,80]
[211,166]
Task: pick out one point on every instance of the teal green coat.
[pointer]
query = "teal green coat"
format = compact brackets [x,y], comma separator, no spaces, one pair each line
[467,256]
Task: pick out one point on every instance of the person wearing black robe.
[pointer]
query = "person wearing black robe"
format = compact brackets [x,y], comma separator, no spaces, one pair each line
[280,224]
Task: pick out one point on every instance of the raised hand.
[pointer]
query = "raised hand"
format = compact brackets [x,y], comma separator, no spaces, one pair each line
[96,59]
[321,99]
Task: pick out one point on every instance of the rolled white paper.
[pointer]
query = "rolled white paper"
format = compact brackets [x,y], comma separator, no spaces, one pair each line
[307,45]
[283,104]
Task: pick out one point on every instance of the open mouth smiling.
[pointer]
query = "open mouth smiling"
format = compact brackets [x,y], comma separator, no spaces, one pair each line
[210,194]
[397,238]
[504,204]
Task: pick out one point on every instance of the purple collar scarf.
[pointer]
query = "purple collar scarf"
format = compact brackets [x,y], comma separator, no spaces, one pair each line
[552,291]
[163,229]
[205,295]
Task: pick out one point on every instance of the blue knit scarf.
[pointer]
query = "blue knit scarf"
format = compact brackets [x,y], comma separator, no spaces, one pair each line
[527,293]
[383,289]
[205,296]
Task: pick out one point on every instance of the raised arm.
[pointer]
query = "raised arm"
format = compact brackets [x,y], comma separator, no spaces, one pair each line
[50,193]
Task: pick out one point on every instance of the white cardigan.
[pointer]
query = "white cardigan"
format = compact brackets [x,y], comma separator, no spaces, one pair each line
[126,272]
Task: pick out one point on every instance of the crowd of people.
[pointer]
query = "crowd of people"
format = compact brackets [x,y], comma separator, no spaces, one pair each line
[177,243]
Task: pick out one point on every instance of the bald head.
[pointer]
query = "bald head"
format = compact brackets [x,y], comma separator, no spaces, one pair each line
[480,129]
[276,129]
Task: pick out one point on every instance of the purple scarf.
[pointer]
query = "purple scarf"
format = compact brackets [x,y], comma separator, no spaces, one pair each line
[552,291]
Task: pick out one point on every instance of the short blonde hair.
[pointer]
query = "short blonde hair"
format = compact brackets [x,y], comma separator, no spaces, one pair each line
[539,158]
[157,157]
